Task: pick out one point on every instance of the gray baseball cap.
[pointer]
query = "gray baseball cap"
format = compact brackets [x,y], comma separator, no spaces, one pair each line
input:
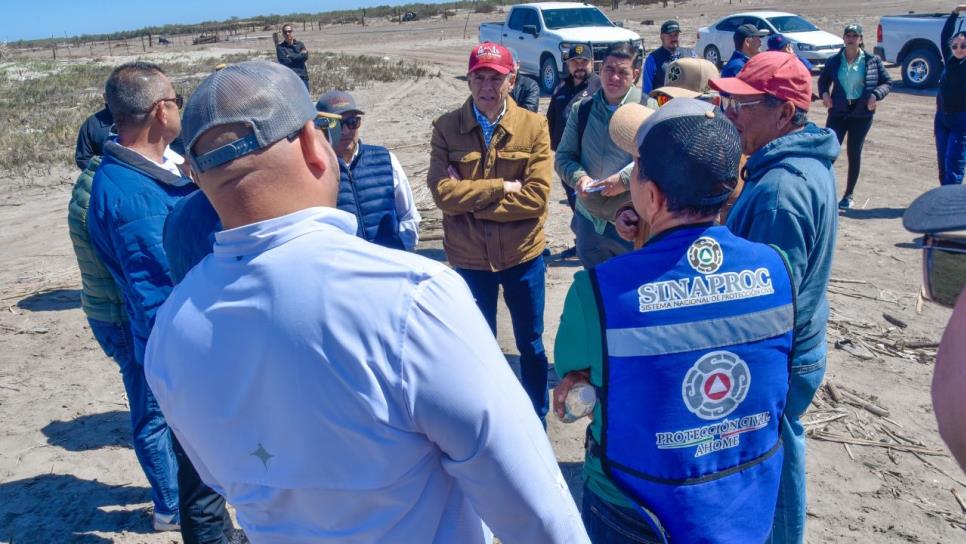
[266,96]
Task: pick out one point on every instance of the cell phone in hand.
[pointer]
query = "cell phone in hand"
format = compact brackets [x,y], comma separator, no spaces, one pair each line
[594,187]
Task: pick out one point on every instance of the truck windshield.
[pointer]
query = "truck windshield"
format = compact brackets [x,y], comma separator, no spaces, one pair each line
[569,18]
[791,23]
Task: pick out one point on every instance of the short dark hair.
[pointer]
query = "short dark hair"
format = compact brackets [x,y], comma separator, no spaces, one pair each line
[131,90]
[625,51]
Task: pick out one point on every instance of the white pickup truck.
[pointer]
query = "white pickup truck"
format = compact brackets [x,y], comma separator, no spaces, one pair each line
[539,33]
[913,42]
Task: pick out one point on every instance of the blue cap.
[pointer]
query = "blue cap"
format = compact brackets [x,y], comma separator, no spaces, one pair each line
[777,42]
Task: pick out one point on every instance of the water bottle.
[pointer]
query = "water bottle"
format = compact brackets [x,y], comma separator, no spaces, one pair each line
[579,403]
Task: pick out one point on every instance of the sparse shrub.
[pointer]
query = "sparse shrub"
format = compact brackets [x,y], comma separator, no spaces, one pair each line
[484,8]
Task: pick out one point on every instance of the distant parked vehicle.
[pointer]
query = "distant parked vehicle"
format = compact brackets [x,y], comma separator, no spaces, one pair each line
[913,42]
[541,32]
[716,41]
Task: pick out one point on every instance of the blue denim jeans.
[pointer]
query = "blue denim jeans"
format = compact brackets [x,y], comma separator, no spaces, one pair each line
[151,435]
[806,376]
[608,523]
[950,131]
[523,292]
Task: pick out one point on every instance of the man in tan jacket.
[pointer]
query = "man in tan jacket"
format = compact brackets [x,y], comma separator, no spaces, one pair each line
[489,173]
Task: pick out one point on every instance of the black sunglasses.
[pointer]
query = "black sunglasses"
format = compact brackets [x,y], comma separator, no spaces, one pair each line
[943,268]
[353,122]
[178,101]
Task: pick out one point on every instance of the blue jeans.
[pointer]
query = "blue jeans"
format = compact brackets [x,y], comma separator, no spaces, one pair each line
[608,523]
[523,292]
[594,248]
[806,376]
[950,131]
[151,435]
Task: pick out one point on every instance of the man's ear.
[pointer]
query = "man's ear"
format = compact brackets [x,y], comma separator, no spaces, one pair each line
[314,146]
[513,79]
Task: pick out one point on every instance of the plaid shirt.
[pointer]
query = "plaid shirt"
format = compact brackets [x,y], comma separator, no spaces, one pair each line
[486,126]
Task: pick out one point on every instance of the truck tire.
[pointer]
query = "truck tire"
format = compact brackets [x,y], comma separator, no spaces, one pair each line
[549,77]
[712,55]
[921,69]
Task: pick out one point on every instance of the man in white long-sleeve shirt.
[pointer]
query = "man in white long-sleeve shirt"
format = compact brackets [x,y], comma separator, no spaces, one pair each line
[334,390]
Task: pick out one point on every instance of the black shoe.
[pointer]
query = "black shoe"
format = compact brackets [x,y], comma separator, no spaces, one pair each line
[238,536]
[845,203]
[568,253]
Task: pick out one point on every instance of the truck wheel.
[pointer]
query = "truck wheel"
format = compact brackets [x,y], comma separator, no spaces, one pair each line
[549,77]
[920,69]
[712,55]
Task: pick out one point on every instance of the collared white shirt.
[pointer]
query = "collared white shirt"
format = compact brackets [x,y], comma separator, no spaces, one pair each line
[406,212]
[337,391]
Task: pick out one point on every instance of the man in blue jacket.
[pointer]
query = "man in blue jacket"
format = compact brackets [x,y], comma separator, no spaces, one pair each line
[747,44]
[137,184]
[788,201]
[655,67]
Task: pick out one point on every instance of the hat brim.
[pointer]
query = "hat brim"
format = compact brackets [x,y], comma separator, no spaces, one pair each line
[942,209]
[498,68]
[733,85]
[625,123]
[674,92]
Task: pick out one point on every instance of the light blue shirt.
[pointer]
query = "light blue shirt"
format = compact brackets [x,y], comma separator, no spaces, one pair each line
[485,125]
[852,76]
[337,391]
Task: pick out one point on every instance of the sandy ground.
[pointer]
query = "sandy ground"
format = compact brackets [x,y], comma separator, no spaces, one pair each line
[67,471]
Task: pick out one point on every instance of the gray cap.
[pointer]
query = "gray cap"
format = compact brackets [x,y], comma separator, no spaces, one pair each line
[337,102]
[266,96]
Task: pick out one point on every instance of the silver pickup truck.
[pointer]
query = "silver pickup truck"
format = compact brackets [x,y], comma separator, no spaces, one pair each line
[913,42]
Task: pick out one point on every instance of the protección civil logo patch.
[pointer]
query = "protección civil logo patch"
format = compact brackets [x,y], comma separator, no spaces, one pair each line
[715,385]
[705,255]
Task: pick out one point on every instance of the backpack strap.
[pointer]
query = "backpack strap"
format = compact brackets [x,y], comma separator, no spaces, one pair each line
[583,116]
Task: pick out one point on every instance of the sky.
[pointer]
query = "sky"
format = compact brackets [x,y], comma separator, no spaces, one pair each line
[31,19]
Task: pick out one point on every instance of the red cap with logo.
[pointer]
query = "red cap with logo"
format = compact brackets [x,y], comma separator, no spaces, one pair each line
[493,56]
[776,73]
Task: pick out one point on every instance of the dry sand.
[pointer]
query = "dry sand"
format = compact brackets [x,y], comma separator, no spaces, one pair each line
[67,471]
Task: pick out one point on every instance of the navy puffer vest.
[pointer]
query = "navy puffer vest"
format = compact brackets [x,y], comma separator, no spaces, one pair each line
[366,191]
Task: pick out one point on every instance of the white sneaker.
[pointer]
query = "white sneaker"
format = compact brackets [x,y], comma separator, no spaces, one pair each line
[164,523]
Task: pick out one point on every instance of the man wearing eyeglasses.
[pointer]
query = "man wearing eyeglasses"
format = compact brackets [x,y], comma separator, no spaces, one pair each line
[373,185]
[489,173]
[139,181]
[292,53]
[788,201]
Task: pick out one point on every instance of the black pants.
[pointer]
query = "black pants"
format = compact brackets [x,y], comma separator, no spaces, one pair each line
[571,195]
[204,518]
[857,128]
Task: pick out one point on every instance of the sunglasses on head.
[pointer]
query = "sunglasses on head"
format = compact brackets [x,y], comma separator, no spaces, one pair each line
[943,267]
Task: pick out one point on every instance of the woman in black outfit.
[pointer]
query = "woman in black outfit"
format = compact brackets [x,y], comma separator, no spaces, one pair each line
[950,122]
[851,84]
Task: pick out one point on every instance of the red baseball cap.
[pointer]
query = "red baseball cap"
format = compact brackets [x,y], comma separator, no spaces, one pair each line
[493,56]
[773,72]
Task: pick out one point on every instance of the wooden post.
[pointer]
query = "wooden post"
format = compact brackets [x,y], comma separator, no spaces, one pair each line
[303,26]
[363,16]
[109,48]
[92,48]
[54,49]
[143,49]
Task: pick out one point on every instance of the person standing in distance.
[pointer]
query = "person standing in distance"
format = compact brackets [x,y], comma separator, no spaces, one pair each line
[747,44]
[292,54]
[526,92]
[851,85]
[655,67]
[949,124]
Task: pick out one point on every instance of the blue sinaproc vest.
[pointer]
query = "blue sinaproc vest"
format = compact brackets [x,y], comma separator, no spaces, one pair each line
[366,191]
[698,330]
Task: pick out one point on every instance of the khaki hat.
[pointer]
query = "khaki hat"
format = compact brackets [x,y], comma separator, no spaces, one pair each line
[690,73]
[674,92]
[624,126]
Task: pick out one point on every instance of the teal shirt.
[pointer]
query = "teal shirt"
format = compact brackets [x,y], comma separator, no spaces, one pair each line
[852,76]
[578,346]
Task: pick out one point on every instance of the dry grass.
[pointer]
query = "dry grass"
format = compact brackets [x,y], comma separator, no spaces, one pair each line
[43,104]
